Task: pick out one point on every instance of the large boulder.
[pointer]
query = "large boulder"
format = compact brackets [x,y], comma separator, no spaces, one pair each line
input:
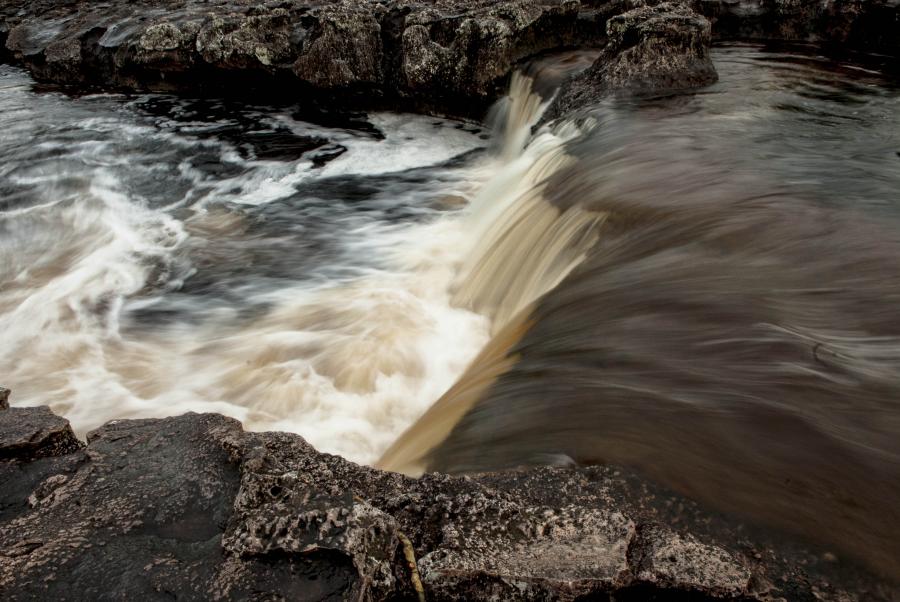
[194,507]
[651,50]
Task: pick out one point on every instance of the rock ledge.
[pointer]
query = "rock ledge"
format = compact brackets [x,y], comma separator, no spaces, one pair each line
[195,507]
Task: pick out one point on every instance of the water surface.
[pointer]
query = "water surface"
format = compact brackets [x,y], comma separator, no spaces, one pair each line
[703,287]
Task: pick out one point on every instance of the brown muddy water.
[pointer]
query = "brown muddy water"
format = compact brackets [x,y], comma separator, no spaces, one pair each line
[704,287]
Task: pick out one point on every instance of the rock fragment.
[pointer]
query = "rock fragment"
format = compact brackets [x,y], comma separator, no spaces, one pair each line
[32,433]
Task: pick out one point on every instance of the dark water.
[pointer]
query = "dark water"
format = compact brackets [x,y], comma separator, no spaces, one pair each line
[703,287]
[733,330]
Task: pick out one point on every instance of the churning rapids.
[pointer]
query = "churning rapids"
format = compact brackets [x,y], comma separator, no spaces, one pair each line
[704,287]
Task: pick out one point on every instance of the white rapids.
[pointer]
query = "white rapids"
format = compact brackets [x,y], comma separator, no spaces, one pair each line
[112,217]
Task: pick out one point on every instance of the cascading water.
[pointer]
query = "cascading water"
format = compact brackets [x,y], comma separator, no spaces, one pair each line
[700,287]
[723,315]
[122,299]
[521,246]
[126,299]
[152,265]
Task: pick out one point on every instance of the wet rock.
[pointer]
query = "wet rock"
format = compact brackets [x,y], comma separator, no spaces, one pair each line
[138,513]
[445,51]
[445,55]
[251,41]
[528,552]
[32,433]
[193,506]
[277,513]
[670,560]
[439,56]
[651,50]
[344,48]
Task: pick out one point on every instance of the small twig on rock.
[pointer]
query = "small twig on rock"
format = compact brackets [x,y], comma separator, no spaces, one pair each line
[410,554]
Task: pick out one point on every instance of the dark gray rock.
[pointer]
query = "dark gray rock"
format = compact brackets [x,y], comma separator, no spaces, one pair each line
[4,398]
[438,56]
[441,55]
[681,562]
[195,508]
[651,50]
[140,516]
[31,433]
[344,49]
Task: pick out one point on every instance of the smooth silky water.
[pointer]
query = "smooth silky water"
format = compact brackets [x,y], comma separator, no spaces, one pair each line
[702,287]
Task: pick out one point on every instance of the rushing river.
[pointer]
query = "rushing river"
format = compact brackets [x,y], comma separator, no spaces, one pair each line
[161,256]
[705,287]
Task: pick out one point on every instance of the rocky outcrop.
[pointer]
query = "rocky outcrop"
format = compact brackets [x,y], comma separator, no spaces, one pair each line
[193,507]
[651,50]
[450,55]
[437,56]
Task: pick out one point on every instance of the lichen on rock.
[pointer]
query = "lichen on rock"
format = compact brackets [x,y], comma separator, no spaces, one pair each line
[193,504]
[651,50]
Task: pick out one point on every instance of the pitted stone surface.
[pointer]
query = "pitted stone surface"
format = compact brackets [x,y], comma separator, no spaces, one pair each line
[670,560]
[542,549]
[652,49]
[31,433]
[439,55]
[195,507]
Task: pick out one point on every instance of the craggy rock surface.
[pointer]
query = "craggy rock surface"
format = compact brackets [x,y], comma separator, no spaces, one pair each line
[438,54]
[193,507]
[651,49]
[33,432]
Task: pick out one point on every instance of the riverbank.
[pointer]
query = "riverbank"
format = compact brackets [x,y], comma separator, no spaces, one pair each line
[194,507]
[444,57]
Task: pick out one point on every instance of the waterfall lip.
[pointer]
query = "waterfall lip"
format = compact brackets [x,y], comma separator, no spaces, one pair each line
[496,278]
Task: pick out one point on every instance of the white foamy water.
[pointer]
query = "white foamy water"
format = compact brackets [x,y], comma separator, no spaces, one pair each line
[165,256]
[151,267]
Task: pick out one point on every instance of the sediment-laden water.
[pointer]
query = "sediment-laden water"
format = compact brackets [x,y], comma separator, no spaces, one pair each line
[704,287]
[163,255]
